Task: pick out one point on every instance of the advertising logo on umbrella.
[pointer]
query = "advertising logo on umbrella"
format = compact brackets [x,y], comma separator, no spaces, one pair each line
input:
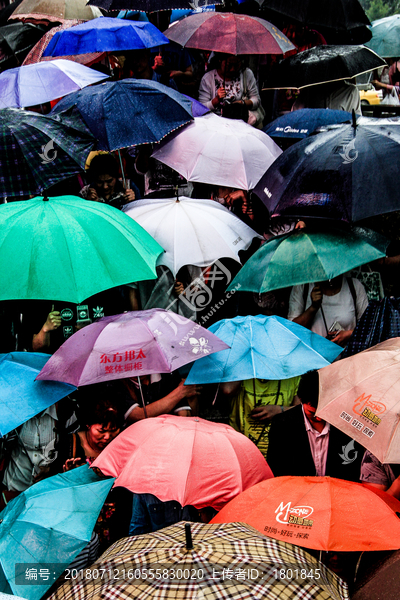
[297,515]
[48,155]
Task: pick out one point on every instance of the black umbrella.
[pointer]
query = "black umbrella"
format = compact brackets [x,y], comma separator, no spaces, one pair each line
[6,12]
[150,5]
[16,40]
[323,64]
[349,172]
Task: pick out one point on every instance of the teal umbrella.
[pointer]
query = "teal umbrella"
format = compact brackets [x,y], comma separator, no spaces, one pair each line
[69,249]
[304,257]
[45,527]
[262,348]
[385,39]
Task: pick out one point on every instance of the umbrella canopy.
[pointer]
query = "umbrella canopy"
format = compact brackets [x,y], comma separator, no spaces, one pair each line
[342,15]
[150,5]
[35,55]
[219,151]
[48,525]
[21,397]
[42,82]
[237,34]
[386,37]
[192,231]
[82,238]
[382,580]
[215,462]
[359,395]
[262,348]
[134,343]
[323,64]
[105,34]
[16,40]
[306,256]
[323,513]
[55,10]
[38,151]
[220,562]
[346,173]
[129,112]
[299,124]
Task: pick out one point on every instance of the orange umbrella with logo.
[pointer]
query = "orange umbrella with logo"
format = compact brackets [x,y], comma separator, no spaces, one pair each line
[322,513]
[360,395]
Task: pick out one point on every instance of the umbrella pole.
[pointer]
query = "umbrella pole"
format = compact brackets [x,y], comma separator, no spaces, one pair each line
[216,394]
[188,535]
[141,395]
[122,170]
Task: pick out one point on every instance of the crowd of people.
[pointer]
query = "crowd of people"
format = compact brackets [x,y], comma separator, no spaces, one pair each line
[278,416]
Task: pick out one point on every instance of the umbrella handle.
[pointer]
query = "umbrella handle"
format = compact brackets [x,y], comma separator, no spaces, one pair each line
[141,395]
[122,170]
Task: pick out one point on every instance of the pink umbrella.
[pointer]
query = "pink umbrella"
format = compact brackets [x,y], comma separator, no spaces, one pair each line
[190,460]
[128,345]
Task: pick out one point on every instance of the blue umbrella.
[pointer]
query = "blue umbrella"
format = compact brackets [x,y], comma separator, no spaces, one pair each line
[105,34]
[299,124]
[46,526]
[21,397]
[262,348]
[44,81]
[129,112]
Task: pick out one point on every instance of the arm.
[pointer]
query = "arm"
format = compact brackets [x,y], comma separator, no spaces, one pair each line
[253,94]
[164,405]
[207,94]
[41,341]
[307,317]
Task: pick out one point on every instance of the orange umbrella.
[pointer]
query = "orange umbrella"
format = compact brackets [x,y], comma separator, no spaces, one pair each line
[322,513]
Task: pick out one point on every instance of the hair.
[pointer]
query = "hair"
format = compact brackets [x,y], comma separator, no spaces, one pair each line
[96,407]
[103,164]
[308,391]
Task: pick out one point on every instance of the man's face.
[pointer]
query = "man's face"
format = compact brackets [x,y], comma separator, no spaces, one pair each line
[105,185]
[310,414]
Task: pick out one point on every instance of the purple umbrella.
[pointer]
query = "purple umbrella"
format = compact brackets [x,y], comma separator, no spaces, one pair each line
[128,345]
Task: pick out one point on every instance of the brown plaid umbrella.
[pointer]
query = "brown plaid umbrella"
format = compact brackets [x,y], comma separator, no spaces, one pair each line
[231,561]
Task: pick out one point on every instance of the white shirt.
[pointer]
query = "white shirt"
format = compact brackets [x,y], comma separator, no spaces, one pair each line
[319,444]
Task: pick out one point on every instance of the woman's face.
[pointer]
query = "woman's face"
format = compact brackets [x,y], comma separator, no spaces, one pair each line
[230,67]
[105,185]
[101,434]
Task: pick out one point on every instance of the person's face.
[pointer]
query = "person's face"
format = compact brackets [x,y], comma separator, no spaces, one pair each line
[310,414]
[231,66]
[105,185]
[101,435]
[138,61]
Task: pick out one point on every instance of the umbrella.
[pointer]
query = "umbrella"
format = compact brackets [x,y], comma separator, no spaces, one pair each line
[323,513]
[35,55]
[38,151]
[336,15]
[16,40]
[39,83]
[346,173]
[134,343]
[215,462]
[381,580]
[92,247]
[192,231]
[22,397]
[150,5]
[237,34]
[304,256]
[386,37]
[323,64]
[262,348]
[219,151]
[299,124]
[129,112]
[54,10]
[360,396]
[5,12]
[216,563]
[46,526]
[105,34]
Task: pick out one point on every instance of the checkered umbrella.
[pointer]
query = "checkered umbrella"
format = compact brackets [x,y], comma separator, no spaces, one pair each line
[37,151]
[232,561]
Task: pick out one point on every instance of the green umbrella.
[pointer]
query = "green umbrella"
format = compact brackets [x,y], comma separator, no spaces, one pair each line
[385,39]
[68,249]
[304,257]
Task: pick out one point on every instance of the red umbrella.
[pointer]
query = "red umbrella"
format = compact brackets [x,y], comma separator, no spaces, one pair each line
[190,460]
[229,33]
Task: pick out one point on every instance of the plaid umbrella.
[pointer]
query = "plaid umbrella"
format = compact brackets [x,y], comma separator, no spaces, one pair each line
[35,55]
[37,151]
[232,561]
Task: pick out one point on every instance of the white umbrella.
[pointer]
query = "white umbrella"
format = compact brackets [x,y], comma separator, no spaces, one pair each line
[226,152]
[192,232]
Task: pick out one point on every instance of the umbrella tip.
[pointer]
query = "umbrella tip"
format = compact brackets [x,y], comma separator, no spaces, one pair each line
[354,118]
[188,535]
